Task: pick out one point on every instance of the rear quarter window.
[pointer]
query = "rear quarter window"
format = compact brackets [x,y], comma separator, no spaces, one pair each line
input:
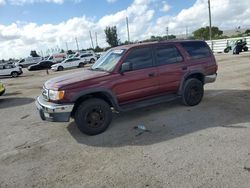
[196,49]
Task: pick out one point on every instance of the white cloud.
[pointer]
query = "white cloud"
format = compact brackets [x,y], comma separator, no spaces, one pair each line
[17,39]
[165,7]
[111,1]
[2,2]
[22,2]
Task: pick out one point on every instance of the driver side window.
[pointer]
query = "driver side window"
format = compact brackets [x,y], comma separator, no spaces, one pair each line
[140,58]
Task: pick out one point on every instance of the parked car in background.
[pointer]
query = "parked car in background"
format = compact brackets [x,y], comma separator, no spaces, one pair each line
[57,57]
[10,70]
[129,77]
[41,65]
[2,89]
[89,55]
[24,63]
[69,63]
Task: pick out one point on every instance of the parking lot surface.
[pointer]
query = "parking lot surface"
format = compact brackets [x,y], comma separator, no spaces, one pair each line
[201,146]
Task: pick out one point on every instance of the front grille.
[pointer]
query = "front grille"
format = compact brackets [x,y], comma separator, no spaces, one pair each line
[45,94]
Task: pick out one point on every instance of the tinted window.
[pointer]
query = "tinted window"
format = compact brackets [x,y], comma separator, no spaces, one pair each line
[140,58]
[69,60]
[196,49]
[167,55]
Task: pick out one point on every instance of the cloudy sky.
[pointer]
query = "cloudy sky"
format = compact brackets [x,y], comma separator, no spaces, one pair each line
[45,24]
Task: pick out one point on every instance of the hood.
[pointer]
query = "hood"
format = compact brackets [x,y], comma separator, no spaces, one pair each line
[68,79]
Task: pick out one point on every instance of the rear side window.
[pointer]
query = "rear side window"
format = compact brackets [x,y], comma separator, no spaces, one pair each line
[167,55]
[140,58]
[196,49]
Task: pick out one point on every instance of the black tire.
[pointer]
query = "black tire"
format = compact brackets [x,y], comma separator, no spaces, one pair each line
[226,50]
[193,92]
[93,116]
[81,65]
[92,61]
[60,68]
[245,49]
[14,74]
[236,50]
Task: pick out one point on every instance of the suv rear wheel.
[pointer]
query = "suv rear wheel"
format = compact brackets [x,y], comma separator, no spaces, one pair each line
[93,116]
[193,91]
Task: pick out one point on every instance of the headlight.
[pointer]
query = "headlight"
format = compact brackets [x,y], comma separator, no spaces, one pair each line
[56,95]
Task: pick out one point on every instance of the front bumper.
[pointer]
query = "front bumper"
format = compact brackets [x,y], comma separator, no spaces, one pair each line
[54,68]
[53,112]
[210,78]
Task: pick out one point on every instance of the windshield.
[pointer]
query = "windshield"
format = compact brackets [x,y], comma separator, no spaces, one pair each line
[108,61]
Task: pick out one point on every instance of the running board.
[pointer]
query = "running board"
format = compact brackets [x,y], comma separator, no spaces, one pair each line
[149,102]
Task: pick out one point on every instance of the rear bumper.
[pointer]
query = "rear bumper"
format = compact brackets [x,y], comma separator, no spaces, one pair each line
[53,112]
[210,78]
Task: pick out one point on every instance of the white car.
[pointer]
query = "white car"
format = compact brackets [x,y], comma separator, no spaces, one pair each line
[69,63]
[90,56]
[24,63]
[10,70]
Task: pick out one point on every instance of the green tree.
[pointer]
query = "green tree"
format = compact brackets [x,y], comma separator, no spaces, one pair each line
[247,32]
[34,54]
[111,36]
[98,49]
[203,33]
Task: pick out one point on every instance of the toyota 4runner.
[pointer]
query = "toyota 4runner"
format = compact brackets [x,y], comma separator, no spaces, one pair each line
[129,77]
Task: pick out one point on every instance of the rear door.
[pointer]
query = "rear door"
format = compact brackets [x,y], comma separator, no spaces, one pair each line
[171,67]
[141,81]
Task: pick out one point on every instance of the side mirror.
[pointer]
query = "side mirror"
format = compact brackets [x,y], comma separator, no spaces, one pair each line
[127,66]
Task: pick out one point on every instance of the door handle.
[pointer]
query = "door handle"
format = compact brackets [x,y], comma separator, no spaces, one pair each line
[151,74]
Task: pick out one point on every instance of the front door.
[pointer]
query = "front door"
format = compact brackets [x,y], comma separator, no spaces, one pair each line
[141,81]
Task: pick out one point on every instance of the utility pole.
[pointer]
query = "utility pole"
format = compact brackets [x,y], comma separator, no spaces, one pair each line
[96,39]
[128,29]
[67,46]
[167,32]
[91,39]
[210,24]
[186,32]
[77,44]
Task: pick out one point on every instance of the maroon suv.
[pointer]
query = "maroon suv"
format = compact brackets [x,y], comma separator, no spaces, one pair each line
[129,77]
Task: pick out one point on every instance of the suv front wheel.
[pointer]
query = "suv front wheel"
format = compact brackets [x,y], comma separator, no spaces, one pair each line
[93,116]
[193,91]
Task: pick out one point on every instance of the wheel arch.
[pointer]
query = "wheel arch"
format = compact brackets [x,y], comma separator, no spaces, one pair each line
[103,94]
[195,74]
